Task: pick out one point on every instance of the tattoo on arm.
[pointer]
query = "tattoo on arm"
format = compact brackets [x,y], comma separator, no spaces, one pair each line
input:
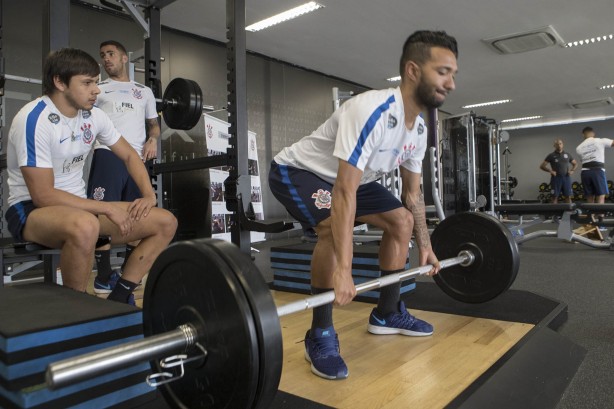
[421,231]
[153,127]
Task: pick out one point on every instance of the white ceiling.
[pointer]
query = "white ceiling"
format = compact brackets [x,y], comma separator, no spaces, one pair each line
[360,40]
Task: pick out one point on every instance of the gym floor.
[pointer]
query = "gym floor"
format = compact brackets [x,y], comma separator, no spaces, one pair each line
[580,276]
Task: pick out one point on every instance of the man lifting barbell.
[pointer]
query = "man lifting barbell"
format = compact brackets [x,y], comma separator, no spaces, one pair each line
[49,140]
[327,181]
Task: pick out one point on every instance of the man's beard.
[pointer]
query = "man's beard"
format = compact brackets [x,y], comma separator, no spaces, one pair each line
[72,101]
[427,97]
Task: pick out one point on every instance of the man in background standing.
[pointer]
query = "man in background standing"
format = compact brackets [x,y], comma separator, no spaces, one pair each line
[592,155]
[131,107]
[560,173]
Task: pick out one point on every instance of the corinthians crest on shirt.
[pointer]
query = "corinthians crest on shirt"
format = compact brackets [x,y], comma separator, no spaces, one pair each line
[98,193]
[322,198]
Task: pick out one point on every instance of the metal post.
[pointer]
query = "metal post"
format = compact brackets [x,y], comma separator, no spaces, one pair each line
[471,168]
[492,135]
[152,76]
[237,117]
[56,25]
[498,156]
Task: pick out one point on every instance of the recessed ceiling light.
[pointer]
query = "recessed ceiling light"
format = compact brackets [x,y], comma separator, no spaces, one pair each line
[606,86]
[526,118]
[588,41]
[483,104]
[284,16]
[394,79]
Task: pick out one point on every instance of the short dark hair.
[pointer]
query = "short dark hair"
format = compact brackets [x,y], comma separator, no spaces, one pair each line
[66,63]
[587,129]
[117,44]
[418,46]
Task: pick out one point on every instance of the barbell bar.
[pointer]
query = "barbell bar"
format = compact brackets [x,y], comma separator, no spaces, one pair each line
[465,258]
[208,294]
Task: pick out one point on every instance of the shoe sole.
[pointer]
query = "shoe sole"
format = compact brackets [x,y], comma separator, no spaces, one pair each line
[377,330]
[320,374]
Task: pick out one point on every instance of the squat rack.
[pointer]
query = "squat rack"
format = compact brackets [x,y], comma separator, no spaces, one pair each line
[56,33]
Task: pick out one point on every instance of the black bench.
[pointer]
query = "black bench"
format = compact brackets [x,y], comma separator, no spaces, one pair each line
[12,252]
[552,209]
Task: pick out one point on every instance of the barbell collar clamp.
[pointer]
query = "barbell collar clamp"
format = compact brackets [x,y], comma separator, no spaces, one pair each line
[73,370]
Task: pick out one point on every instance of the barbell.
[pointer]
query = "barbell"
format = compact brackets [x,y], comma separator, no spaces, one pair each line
[207,305]
[181,104]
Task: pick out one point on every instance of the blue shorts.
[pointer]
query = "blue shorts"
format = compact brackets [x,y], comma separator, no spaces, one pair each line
[16,217]
[594,182]
[109,179]
[308,198]
[561,184]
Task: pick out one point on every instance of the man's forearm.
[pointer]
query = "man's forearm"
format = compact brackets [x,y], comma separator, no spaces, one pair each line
[56,197]
[418,209]
[139,174]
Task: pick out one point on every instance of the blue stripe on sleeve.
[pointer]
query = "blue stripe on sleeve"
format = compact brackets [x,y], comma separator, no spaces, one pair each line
[366,130]
[31,121]
[285,178]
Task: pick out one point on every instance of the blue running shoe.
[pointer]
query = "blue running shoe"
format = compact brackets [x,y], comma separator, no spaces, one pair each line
[401,322]
[322,351]
[102,288]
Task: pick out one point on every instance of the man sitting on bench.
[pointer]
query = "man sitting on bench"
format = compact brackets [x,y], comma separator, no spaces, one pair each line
[49,140]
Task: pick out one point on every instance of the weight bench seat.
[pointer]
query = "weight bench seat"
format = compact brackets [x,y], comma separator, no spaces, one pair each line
[598,208]
[552,209]
[50,257]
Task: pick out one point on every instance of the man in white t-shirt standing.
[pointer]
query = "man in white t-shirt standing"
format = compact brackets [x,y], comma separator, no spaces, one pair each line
[49,140]
[131,107]
[592,155]
[327,181]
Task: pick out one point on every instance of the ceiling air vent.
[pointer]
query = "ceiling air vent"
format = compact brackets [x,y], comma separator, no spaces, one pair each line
[596,103]
[526,41]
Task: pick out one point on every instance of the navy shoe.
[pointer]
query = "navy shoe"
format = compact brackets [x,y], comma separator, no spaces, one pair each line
[106,288]
[401,322]
[322,351]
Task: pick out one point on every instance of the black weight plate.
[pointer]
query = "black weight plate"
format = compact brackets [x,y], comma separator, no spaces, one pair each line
[497,260]
[265,316]
[187,111]
[197,106]
[191,283]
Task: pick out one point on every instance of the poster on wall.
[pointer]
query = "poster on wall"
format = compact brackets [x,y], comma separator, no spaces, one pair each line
[217,143]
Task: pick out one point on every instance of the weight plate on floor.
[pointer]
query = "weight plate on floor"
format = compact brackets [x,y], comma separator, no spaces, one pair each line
[183,104]
[265,316]
[496,256]
[191,283]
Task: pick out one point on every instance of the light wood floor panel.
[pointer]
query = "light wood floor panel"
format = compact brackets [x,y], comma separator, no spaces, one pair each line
[394,371]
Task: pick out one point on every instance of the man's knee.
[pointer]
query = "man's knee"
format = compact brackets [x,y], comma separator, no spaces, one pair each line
[401,223]
[167,223]
[83,229]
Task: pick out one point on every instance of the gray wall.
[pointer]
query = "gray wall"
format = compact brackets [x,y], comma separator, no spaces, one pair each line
[285,103]
[529,147]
